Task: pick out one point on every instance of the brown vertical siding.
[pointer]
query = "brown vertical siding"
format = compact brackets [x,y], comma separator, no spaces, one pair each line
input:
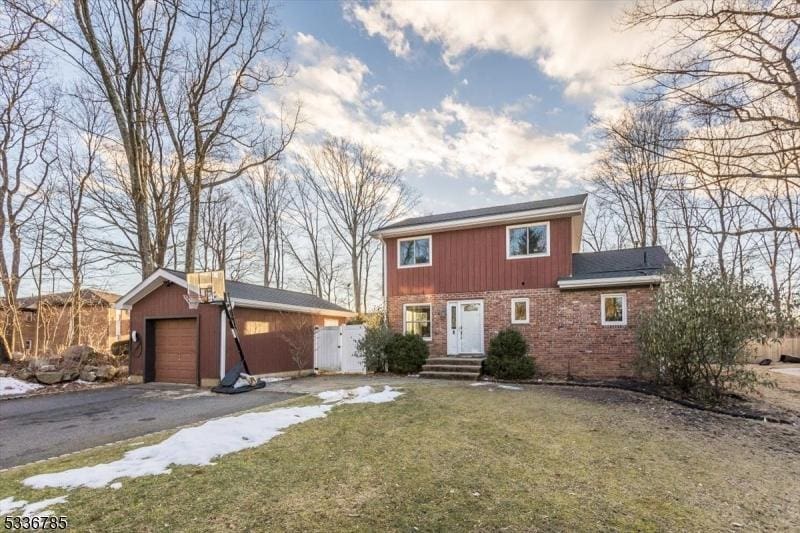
[167,302]
[473,260]
[270,346]
[265,334]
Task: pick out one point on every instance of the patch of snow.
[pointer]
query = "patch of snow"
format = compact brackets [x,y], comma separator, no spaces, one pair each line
[190,446]
[789,371]
[7,505]
[201,444]
[493,384]
[480,383]
[509,387]
[10,386]
[273,379]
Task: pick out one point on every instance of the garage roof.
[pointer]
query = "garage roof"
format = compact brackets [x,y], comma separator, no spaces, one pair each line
[242,294]
[631,266]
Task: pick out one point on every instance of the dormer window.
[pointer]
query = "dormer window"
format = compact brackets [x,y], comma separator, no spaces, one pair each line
[414,252]
[528,240]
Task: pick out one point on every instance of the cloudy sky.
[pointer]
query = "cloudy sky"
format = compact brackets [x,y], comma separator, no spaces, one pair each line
[479,103]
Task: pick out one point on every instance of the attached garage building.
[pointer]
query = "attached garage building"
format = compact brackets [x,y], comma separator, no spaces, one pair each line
[176,344]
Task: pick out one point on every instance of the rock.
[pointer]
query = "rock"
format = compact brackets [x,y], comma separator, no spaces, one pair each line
[49,378]
[88,375]
[3,373]
[122,371]
[70,374]
[75,355]
[765,362]
[24,374]
[106,372]
[47,368]
[789,359]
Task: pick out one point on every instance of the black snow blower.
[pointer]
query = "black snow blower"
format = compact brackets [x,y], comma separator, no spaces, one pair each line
[238,378]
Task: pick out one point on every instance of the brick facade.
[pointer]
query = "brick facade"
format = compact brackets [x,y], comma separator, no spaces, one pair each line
[565,334]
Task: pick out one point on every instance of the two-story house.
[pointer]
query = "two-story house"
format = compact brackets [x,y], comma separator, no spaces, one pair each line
[458,278]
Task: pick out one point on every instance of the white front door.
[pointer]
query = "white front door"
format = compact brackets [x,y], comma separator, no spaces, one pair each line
[465,327]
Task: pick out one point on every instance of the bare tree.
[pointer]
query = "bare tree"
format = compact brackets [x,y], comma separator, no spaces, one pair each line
[634,168]
[27,115]
[358,192]
[223,55]
[226,235]
[265,194]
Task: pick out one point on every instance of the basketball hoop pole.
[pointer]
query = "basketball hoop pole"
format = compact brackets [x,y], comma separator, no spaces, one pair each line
[226,304]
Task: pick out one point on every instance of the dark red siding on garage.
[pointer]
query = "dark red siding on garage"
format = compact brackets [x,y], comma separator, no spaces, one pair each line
[267,336]
[474,260]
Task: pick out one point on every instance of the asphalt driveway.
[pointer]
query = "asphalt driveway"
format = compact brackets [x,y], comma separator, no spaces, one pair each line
[46,426]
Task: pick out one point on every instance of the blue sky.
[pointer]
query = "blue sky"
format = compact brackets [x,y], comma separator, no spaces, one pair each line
[479,103]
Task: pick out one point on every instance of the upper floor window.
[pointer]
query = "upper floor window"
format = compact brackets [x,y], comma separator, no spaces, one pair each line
[528,240]
[613,310]
[414,252]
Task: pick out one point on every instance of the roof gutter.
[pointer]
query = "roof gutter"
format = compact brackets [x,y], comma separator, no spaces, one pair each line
[490,220]
[622,281]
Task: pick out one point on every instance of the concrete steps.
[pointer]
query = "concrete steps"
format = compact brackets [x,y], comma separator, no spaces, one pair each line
[466,368]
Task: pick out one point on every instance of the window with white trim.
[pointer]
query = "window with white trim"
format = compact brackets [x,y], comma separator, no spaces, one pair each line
[614,309]
[414,252]
[528,240]
[520,311]
[417,320]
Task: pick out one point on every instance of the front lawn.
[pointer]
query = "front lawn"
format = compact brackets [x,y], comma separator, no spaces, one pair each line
[456,457]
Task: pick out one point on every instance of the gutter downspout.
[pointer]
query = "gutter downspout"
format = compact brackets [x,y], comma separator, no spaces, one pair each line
[383,289]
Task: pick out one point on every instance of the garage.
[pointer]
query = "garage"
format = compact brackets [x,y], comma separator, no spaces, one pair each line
[175,350]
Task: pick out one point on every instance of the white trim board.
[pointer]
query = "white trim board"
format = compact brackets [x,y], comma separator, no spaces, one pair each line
[609,282]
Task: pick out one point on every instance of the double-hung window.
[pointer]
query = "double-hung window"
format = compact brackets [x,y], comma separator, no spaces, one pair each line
[528,240]
[613,310]
[417,320]
[414,252]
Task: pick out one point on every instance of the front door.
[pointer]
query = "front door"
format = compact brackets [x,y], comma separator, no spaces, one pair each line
[465,327]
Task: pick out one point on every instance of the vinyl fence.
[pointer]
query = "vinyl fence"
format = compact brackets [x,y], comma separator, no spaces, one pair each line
[773,350]
[335,349]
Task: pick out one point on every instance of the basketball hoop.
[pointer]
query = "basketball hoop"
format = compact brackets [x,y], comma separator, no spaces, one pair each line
[204,287]
[192,300]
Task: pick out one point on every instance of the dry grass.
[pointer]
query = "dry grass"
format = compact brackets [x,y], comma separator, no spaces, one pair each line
[786,392]
[469,458]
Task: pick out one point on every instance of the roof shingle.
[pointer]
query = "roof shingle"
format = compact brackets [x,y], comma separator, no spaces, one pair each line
[646,261]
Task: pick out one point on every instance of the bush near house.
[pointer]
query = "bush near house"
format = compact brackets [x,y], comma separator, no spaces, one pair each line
[698,335]
[507,357]
[405,354]
[372,347]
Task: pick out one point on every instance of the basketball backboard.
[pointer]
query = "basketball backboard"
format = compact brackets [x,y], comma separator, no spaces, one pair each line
[206,286]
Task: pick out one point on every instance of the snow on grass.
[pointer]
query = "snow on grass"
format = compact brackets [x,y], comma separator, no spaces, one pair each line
[201,444]
[789,371]
[10,386]
[493,384]
[23,508]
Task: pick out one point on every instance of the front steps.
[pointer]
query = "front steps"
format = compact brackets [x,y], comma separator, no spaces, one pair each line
[467,368]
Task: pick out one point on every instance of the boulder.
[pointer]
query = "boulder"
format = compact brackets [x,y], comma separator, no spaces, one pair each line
[3,373]
[88,375]
[106,372]
[47,368]
[70,374]
[75,355]
[122,370]
[24,374]
[48,377]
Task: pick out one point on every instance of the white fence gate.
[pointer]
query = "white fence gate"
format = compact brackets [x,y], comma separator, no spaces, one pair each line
[335,349]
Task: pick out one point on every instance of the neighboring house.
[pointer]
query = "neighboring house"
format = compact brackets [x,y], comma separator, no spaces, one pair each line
[101,323]
[172,343]
[459,278]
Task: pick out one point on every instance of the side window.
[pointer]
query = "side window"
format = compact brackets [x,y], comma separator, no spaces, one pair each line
[613,309]
[520,311]
[414,252]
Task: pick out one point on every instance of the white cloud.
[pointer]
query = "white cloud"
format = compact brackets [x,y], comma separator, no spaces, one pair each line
[576,42]
[452,138]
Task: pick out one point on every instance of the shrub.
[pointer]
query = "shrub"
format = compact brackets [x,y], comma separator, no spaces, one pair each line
[697,337]
[372,348]
[405,354]
[507,357]
[508,343]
